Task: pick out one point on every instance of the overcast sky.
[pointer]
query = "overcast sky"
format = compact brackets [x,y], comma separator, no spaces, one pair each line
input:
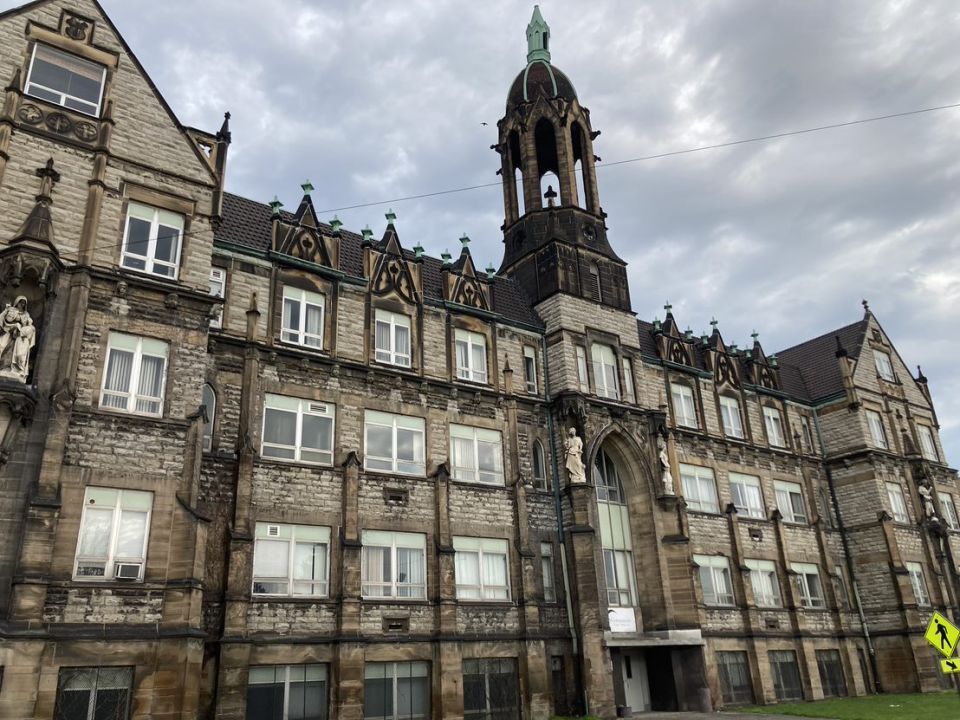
[377,100]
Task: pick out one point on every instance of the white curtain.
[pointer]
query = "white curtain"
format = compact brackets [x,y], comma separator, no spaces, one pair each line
[376,571]
[130,534]
[95,534]
[495,575]
[383,340]
[403,341]
[150,385]
[468,574]
[119,368]
[410,572]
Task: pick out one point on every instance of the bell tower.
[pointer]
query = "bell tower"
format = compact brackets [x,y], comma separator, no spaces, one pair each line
[554,234]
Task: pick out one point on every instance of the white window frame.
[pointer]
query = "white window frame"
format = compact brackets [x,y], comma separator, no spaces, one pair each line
[157,217]
[470,342]
[391,541]
[605,376]
[415,466]
[882,362]
[699,488]
[530,369]
[898,503]
[785,493]
[684,405]
[218,289]
[546,570]
[394,322]
[64,96]
[286,671]
[303,408]
[211,416]
[748,495]
[141,347]
[878,435]
[293,536]
[928,445]
[731,417]
[582,378]
[620,576]
[717,569]
[299,335]
[949,509]
[484,549]
[471,472]
[629,391]
[811,593]
[773,422]
[918,582]
[765,583]
[112,558]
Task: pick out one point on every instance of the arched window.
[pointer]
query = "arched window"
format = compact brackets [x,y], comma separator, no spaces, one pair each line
[210,402]
[607,479]
[545,141]
[539,467]
[618,568]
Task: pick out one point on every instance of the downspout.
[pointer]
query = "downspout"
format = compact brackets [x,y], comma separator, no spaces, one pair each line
[871,652]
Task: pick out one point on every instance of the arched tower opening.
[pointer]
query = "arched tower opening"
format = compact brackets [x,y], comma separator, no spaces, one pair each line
[545,142]
[580,164]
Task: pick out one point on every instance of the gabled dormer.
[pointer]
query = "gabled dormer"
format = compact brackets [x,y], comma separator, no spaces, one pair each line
[299,236]
[726,372]
[391,272]
[461,283]
[673,345]
[764,371]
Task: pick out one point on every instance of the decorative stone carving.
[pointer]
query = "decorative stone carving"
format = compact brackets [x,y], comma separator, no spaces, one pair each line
[573,451]
[666,476]
[392,276]
[929,511]
[17,338]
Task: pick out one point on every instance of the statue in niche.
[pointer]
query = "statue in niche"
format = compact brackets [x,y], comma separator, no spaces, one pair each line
[929,511]
[17,338]
[666,476]
[573,450]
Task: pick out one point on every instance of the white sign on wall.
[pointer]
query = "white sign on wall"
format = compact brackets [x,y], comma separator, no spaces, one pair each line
[622,620]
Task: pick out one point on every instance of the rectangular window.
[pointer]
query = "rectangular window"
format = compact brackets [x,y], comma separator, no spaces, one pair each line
[394,443]
[392,338]
[291,560]
[765,583]
[471,356]
[476,455]
[699,488]
[831,673]
[949,510]
[66,80]
[898,506]
[790,501]
[287,692]
[619,573]
[878,435]
[151,242]
[881,361]
[302,318]
[628,391]
[94,693]
[296,429]
[927,445]
[919,584]
[114,526]
[735,684]
[786,675]
[546,569]
[746,495]
[530,369]
[715,580]
[396,691]
[136,374]
[684,409]
[218,283]
[730,413]
[393,564]
[490,689]
[582,370]
[481,568]
[773,421]
[808,585]
[807,435]
[605,371]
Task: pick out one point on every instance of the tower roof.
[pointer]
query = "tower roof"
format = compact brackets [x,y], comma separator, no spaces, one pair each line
[539,78]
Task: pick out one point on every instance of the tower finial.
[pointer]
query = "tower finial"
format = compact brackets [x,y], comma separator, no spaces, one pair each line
[538,37]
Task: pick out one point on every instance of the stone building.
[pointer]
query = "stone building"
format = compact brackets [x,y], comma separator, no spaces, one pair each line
[255,465]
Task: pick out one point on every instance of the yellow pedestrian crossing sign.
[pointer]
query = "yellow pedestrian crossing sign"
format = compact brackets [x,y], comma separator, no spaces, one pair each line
[942,634]
[949,667]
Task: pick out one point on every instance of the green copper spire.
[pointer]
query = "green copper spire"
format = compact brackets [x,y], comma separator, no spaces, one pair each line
[538,37]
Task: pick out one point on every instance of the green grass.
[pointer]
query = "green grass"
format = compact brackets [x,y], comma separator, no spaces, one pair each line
[926,706]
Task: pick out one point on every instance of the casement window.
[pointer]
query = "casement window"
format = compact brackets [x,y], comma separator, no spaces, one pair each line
[684,408]
[297,429]
[773,421]
[734,671]
[291,560]
[394,443]
[114,526]
[396,691]
[878,435]
[746,495]
[765,583]
[546,570]
[809,588]
[288,691]
[530,369]
[303,315]
[218,285]
[539,467]
[620,576]
[136,374]
[471,350]
[949,510]
[715,580]
[582,369]
[476,455]
[898,505]
[881,361]
[392,338]
[790,501]
[786,675]
[66,80]
[94,693]
[151,241]
[607,479]
[605,371]
[491,690]
[628,391]
[918,583]
[209,400]
[481,567]
[831,673]
[393,564]
[927,445]
[699,488]
[730,414]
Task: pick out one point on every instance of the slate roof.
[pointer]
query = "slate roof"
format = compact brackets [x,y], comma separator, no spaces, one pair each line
[247,223]
[816,359]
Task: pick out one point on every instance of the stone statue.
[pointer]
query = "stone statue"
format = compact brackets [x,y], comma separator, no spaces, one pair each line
[666,475]
[926,498]
[573,451]
[17,338]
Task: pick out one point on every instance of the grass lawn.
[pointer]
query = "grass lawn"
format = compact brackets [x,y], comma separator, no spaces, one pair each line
[926,706]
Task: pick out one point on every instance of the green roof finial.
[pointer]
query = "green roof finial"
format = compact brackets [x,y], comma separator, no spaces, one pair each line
[464,240]
[367,236]
[307,187]
[418,251]
[538,37]
[446,257]
[491,271]
[336,224]
[390,215]
[275,206]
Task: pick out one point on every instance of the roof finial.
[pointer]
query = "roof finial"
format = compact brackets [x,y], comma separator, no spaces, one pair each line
[866,305]
[367,234]
[391,216]
[551,196]
[336,224]
[755,335]
[418,251]
[275,206]
[464,241]
[713,323]
[491,271]
[538,37]
[668,307]
[307,187]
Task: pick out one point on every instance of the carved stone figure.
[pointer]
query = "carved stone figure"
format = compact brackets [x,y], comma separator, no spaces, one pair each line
[573,451]
[666,475]
[926,498]
[17,338]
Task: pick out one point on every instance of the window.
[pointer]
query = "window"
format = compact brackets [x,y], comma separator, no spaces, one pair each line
[94,693]
[539,467]
[807,435]
[808,585]
[884,368]
[393,564]
[699,488]
[766,584]
[302,318]
[735,685]
[114,526]
[396,691]
[481,568]
[288,692]
[218,284]
[715,580]
[136,374]
[593,283]
[490,689]
[790,501]
[66,80]
[878,435]
[918,583]
[582,369]
[831,673]
[619,573]
[628,392]
[151,242]
[605,371]
[746,494]
[471,356]
[530,369]
[730,413]
[786,675]
[546,568]
[927,446]
[392,337]
[607,479]
[898,506]
[394,443]
[949,510]
[209,400]
[773,421]
[684,409]
[290,560]
[295,429]
[476,455]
